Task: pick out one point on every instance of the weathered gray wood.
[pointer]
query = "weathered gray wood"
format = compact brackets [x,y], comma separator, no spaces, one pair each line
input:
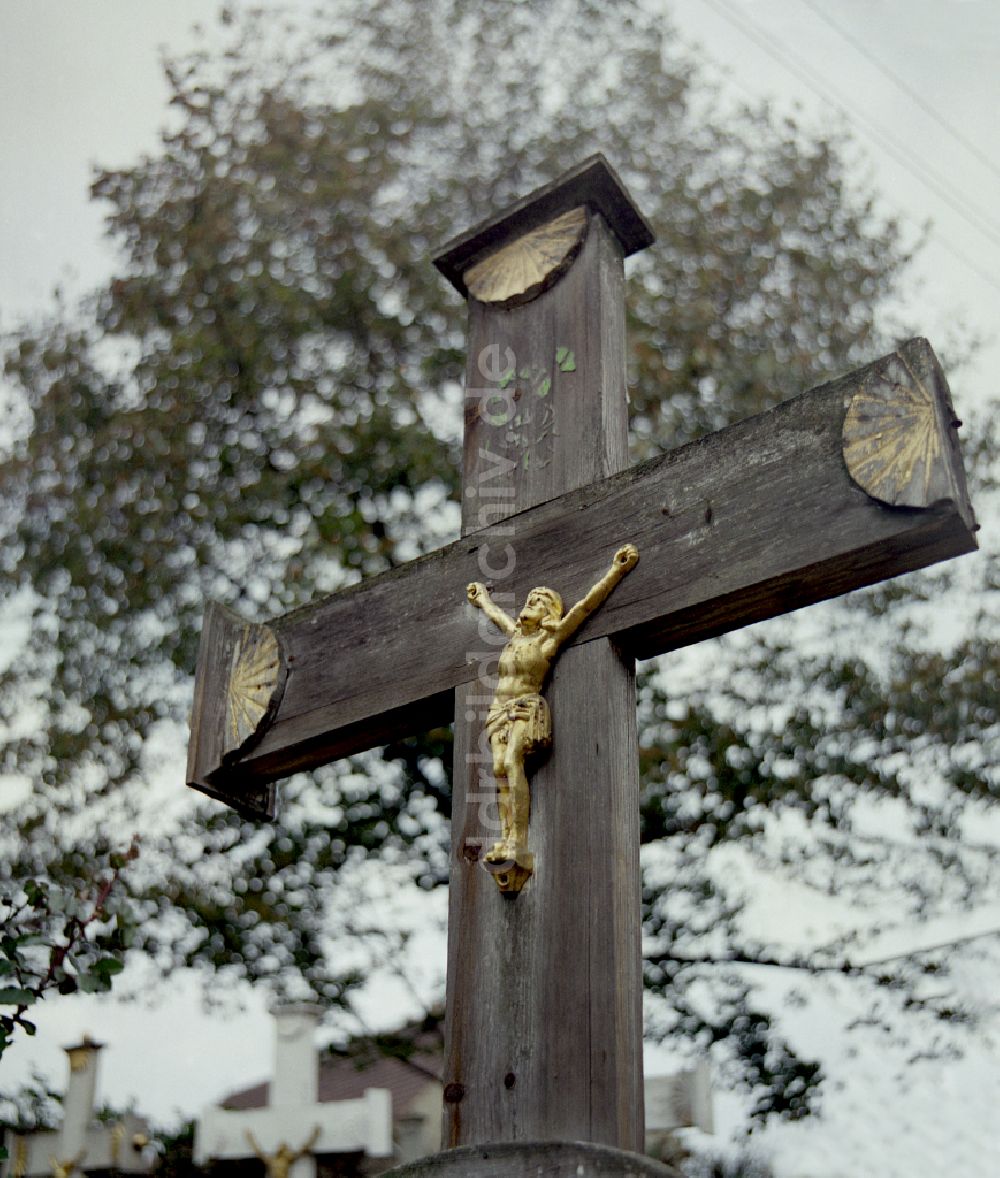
[756,520]
[537,447]
[544,1018]
[554,1159]
[543,1031]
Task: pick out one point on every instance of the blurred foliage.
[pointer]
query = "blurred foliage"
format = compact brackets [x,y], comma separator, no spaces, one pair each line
[59,938]
[721,1166]
[264,404]
[175,1150]
[418,1044]
[31,1106]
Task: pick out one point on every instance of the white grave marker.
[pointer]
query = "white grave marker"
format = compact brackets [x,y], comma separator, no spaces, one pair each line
[294,1127]
[81,1145]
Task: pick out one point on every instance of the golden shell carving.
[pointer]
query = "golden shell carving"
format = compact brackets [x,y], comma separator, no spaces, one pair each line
[894,439]
[520,271]
[254,683]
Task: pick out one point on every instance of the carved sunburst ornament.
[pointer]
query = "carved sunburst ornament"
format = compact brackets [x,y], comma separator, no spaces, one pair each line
[254,684]
[520,271]
[894,440]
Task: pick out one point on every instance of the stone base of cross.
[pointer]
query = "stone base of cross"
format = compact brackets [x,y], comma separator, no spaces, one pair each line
[850,483]
[681,1100]
[526,1159]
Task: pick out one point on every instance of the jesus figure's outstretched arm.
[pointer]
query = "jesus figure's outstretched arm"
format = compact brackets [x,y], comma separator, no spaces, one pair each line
[479,595]
[625,559]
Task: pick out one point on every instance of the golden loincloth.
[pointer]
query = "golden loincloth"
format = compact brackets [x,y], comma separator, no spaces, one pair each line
[538,721]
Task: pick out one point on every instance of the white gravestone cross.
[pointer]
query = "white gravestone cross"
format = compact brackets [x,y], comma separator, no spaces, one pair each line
[294,1126]
[81,1145]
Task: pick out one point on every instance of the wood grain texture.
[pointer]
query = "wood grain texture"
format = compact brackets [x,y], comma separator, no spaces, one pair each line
[561,420]
[543,1029]
[544,1007]
[756,520]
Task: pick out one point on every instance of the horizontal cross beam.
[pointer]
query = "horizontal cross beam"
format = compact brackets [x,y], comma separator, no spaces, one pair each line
[758,519]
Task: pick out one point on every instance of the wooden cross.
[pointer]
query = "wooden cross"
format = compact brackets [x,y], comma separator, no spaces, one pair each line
[856,481]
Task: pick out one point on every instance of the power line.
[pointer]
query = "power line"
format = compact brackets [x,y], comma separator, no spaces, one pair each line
[963,257]
[803,959]
[975,216]
[971,214]
[936,236]
[919,950]
[914,95]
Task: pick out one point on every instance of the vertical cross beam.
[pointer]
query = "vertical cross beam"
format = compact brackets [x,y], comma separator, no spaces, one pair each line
[544,1007]
[295,1080]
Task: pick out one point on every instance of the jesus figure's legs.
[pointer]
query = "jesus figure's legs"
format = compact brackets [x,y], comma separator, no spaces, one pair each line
[498,743]
[509,747]
[518,792]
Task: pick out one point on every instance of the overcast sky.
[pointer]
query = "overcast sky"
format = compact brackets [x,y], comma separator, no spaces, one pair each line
[81,85]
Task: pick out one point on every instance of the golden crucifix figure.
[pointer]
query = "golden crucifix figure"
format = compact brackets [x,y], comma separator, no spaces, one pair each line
[519,723]
[67,1167]
[279,1163]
